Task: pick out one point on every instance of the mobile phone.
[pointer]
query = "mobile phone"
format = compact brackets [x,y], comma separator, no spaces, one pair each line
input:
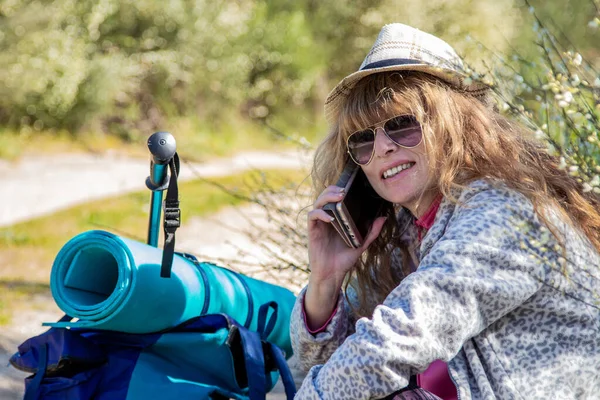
[355,213]
[344,181]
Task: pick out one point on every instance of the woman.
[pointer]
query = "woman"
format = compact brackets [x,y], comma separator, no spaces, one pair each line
[481,279]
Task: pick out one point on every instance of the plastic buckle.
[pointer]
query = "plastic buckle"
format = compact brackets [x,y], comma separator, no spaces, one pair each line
[172,217]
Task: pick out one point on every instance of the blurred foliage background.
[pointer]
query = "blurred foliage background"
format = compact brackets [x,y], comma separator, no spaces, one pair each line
[126,68]
[231,75]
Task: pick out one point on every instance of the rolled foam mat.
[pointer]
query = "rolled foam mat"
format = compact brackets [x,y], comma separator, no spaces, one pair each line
[109,282]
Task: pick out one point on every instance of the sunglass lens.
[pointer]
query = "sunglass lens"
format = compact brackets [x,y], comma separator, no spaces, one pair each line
[360,146]
[404,130]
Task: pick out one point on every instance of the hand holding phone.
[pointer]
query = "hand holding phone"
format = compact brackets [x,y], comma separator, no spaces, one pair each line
[352,215]
[356,211]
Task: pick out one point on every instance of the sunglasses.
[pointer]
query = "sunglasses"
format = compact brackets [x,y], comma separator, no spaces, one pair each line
[403,130]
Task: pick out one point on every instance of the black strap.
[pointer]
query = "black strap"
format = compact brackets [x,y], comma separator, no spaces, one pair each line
[172,219]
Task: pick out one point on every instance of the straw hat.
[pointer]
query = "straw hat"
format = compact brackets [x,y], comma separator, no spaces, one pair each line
[400,47]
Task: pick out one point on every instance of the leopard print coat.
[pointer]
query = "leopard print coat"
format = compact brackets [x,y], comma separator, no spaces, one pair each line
[514,313]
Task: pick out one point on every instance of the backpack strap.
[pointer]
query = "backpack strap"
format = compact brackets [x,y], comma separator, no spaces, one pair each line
[254,361]
[203,276]
[34,388]
[284,371]
[265,326]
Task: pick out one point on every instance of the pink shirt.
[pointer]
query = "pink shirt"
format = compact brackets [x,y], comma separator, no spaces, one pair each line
[435,378]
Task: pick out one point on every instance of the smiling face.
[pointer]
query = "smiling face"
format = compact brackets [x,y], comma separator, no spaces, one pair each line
[398,174]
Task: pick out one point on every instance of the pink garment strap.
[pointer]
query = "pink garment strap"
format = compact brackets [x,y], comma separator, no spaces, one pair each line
[427,219]
[435,378]
[322,328]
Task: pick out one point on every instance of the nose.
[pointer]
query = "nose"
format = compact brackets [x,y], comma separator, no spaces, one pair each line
[383,144]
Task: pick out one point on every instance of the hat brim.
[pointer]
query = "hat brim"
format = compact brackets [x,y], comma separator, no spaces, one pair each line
[337,97]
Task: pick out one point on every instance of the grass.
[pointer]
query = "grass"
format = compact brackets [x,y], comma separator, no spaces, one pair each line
[15,144]
[28,249]
[197,140]
[16,294]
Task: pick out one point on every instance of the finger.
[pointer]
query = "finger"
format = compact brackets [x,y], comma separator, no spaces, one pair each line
[332,189]
[319,215]
[373,232]
[332,194]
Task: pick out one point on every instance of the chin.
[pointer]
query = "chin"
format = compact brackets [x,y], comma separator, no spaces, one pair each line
[404,201]
[403,197]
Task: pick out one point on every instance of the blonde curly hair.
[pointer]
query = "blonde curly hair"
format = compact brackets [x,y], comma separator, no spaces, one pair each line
[465,139]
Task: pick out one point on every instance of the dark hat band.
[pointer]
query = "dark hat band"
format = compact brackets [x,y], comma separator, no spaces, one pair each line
[391,62]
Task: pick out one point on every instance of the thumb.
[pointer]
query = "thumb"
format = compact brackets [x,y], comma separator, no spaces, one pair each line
[373,232]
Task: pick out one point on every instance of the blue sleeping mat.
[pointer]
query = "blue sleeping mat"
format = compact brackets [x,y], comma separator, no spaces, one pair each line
[110,282]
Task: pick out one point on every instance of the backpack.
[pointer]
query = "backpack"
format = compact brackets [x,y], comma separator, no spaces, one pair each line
[208,357]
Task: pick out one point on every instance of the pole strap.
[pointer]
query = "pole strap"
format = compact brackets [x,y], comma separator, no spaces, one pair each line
[172,218]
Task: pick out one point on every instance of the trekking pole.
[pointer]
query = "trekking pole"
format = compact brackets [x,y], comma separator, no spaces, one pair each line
[162,147]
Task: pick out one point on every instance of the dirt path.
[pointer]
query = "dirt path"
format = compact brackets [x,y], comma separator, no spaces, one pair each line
[42,185]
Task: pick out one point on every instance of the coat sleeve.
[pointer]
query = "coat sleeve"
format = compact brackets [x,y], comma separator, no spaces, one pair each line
[316,349]
[486,263]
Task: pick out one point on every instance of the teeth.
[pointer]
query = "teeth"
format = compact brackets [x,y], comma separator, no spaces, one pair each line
[395,170]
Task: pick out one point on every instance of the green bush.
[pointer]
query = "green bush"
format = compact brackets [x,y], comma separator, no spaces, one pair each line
[129,67]
[556,92]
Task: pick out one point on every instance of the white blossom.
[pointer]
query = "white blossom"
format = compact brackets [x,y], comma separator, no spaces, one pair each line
[539,134]
[567,96]
[562,164]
